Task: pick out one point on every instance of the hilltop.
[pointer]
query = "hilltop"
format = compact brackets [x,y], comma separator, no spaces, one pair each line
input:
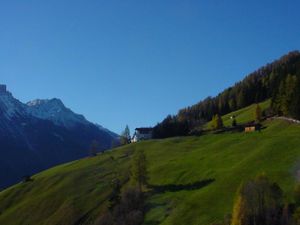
[196,178]
[277,82]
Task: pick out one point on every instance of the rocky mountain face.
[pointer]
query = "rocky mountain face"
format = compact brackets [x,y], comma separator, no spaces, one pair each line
[42,134]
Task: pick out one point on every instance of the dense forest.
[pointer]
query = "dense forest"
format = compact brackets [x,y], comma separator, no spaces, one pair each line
[278,81]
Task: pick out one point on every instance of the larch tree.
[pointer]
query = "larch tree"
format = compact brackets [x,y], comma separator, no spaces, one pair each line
[217,122]
[259,202]
[258,113]
[125,136]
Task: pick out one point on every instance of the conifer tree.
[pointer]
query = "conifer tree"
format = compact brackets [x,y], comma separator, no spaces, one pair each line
[258,113]
[125,136]
[291,95]
[217,122]
[139,169]
[282,100]
[234,123]
[295,103]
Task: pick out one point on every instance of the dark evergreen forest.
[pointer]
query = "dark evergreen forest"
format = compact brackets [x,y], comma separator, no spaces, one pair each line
[278,81]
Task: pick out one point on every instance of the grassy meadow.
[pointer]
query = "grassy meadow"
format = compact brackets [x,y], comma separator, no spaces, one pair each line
[195,178]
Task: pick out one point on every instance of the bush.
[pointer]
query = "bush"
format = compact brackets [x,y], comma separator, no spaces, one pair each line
[258,202]
[130,210]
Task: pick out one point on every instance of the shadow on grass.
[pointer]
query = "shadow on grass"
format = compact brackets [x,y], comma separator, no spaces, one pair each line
[152,222]
[180,187]
[158,189]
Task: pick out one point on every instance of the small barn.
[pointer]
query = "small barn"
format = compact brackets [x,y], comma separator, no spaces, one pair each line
[252,128]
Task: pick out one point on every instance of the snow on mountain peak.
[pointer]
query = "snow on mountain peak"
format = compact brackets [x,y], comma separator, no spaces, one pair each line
[9,106]
[55,110]
[50,102]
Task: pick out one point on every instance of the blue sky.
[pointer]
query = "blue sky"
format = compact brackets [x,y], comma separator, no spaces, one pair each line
[131,62]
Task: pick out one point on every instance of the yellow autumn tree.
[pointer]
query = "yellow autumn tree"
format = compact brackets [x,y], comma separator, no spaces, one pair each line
[258,202]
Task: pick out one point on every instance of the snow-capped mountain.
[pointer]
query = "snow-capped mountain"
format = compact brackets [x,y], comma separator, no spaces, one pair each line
[9,106]
[41,134]
[55,111]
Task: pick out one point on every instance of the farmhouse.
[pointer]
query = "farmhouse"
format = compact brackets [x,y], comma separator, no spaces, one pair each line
[143,133]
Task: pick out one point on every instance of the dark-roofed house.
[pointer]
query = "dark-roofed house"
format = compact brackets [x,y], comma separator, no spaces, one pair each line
[143,133]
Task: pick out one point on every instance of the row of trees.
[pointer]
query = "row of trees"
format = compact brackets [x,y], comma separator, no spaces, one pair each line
[172,127]
[217,121]
[128,207]
[263,84]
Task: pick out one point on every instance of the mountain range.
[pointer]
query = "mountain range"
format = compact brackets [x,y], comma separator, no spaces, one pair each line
[41,134]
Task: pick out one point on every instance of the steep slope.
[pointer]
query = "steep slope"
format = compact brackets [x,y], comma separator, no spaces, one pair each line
[242,116]
[271,81]
[77,192]
[9,106]
[41,134]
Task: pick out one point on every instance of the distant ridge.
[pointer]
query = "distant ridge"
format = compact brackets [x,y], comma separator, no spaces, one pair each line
[41,134]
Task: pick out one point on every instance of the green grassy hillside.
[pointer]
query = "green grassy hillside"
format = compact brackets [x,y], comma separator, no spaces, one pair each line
[75,193]
[243,115]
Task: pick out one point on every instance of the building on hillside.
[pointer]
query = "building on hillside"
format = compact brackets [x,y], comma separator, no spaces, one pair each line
[252,127]
[142,133]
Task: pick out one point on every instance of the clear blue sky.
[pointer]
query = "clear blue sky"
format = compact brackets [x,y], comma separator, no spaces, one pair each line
[130,62]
